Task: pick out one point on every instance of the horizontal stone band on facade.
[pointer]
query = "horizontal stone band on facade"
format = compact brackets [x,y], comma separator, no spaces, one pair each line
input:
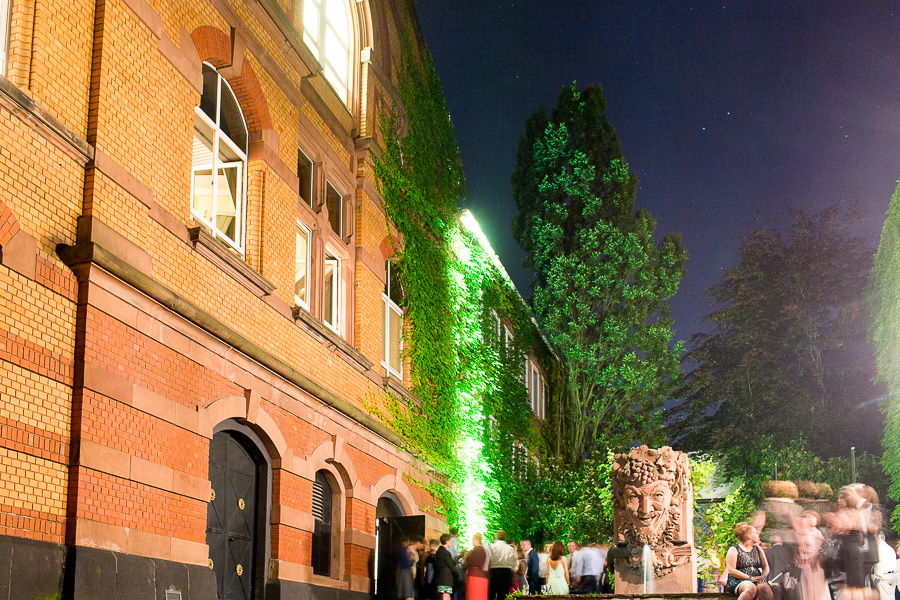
[96,254]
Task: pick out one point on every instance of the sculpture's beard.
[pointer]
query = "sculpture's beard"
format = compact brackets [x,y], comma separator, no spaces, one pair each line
[655,530]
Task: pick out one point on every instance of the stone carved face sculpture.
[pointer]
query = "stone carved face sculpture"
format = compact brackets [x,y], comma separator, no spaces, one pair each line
[647,509]
[649,488]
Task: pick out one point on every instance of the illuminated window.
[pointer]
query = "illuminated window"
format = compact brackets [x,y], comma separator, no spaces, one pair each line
[301,266]
[334,203]
[5,6]
[326,31]
[305,173]
[393,323]
[219,161]
[331,286]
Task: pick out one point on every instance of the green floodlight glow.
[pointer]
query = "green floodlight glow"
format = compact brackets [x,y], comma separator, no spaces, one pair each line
[472,226]
[474,486]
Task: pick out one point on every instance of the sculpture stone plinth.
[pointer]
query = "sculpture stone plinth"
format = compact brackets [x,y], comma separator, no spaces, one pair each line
[653,504]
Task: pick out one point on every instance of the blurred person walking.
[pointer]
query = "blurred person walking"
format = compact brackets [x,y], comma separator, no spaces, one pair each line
[574,566]
[478,561]
[406,560]
[521,572]
[779,560]
[503,565]
[557,571]
[543,557]
[592,559]
[885,573]
[851,526]
[810,542]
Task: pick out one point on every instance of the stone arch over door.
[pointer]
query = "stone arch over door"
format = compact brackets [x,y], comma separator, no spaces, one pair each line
[394,484]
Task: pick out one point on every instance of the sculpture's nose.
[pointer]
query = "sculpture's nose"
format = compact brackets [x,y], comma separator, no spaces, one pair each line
[645,505]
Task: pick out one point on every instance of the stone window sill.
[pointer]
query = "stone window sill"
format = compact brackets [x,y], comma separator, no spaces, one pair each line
[393,384]
[227,260]
[357,359]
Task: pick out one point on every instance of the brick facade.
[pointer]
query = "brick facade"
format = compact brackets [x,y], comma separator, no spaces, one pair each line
[129,338]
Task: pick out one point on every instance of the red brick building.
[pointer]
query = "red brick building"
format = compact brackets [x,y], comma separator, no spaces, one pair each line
[194,309]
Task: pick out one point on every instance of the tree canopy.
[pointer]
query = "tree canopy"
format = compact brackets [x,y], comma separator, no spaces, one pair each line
[786,358]
[601,284]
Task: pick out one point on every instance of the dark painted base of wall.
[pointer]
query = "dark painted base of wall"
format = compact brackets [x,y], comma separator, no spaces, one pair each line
[93,574]
[291,590]
[31,570]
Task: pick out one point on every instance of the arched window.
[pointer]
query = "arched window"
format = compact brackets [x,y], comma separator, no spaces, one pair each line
[322,510]
[326,30]
[219,165]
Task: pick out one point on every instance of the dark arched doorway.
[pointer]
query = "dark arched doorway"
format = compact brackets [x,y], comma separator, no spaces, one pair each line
[388,506]
[391,527]
[236,515]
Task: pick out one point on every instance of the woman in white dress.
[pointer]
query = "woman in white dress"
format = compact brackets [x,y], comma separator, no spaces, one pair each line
[557,571]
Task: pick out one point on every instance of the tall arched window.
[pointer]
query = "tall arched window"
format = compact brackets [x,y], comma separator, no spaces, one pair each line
[219,165]
[326,30]
[322,510]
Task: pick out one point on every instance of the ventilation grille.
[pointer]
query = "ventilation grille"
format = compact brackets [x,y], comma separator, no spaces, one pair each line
[318,502]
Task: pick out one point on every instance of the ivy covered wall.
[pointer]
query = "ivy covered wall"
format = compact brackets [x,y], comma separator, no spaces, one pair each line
[474,422]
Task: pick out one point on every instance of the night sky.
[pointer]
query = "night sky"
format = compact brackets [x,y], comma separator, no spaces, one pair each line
[724,110]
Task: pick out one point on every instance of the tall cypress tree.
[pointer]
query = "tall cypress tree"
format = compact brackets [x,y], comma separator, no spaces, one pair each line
[601,285]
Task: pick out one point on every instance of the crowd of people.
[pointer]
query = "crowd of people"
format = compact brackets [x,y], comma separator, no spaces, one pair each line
[440,570]
[841,555]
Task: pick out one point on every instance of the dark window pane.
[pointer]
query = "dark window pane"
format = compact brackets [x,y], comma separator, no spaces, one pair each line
[210,88]
[395,292]
[232,121]
[305,173]
[333,203]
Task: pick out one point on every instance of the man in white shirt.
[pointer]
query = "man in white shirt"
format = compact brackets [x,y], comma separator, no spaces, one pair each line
[885,570]
[503,564]
[543,557]
[591,567]
[575,567]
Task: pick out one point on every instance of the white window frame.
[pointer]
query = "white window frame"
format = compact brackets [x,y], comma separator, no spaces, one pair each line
[5,21]
[545,391]
[508,342]
[389,305]
[317,43]
[331,259]
[218,137]
[304,302]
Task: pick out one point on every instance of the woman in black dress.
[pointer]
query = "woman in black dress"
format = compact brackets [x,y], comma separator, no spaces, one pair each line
[444,569]
[746,566]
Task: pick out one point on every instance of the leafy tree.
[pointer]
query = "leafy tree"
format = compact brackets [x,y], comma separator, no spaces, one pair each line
[601,284]
[884,331]
[787,358]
